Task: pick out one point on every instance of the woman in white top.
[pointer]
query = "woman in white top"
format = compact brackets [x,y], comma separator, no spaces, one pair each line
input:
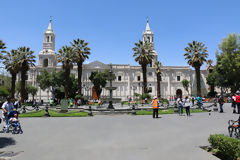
[187,105]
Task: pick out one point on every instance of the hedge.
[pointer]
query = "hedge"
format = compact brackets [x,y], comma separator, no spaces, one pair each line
[228,148]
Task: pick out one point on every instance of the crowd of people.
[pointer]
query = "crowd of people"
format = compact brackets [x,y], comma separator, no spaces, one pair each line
[187,103]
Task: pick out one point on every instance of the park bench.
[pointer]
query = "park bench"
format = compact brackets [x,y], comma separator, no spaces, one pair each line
[234,128]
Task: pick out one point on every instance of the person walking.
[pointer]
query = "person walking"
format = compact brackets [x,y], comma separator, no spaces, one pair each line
[34,103]
[17,104]
[221,102]
[7,107]
[180,106]
[155,105]
[234,103]
[193,101]
[199,102]
[187,105]
[51,102]
[238,101]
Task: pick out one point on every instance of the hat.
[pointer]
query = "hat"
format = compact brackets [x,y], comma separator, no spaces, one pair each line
[237,92]
[155,97]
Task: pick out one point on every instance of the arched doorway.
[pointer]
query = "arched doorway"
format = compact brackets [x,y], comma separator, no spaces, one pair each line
[94,93]
[45,62]
[179,93]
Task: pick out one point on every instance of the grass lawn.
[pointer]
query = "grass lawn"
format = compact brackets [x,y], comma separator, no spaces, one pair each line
[54,113]
[167,111]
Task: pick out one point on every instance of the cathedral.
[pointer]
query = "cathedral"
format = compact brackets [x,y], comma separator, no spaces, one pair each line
[128,78]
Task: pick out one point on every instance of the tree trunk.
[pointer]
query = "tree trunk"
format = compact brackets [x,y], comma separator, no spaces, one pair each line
[79,77]
[144,71]
[14,75]
[66,88]
[211,86]
[158,85]
[23,89]
[197,70]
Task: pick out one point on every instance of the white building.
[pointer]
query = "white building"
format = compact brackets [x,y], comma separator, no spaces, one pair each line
[128,78]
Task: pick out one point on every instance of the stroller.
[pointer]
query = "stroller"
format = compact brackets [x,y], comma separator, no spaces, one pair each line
[13,123]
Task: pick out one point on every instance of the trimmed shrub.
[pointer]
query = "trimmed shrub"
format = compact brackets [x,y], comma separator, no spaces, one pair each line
[228,147]
[146,95]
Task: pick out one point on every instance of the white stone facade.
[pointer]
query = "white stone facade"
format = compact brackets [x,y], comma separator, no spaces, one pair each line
[128,78]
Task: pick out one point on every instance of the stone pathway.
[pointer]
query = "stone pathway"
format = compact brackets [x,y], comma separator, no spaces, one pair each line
[118,137]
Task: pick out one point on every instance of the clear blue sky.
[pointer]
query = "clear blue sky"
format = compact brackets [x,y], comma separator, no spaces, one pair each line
[113,26]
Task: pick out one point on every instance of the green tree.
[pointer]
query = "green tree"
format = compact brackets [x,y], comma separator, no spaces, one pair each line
[50,80]
[143,53]
[66,56]
[99,80]
[158,66]
[226,71]
[196,54]
[32,90]
[3,91]
[81,53]
[12,65]
[26,60]
[185,84]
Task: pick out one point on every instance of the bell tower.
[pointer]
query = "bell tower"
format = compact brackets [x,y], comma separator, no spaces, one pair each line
[47,57]
[148,37]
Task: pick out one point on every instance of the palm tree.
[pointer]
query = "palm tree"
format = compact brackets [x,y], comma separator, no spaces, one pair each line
[2,45]
[12,65]
[144,55]
[196,54]
[81,52]
[26,60]
[66,56]
[158,66]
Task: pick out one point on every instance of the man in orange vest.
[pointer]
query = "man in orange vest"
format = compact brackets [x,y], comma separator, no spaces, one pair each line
[155,105]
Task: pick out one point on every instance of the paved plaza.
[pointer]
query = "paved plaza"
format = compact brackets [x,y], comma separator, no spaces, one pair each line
[118,137]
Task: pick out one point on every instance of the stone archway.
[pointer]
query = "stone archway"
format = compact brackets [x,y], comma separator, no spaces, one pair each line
[45,63]
[179,93]
[94,93]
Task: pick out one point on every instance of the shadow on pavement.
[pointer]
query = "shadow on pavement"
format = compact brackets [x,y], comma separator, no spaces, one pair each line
[6,141]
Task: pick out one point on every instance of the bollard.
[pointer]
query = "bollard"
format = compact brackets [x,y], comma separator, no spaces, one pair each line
[133,110]
[46,112]
[90,111]
[24,109]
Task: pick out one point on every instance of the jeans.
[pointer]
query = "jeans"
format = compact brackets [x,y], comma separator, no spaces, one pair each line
[221,107]
[238,107]
[155,112]
[188,110]
[7,120]
[180,108]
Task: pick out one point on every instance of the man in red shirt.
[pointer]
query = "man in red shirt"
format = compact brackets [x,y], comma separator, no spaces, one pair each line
[238,101]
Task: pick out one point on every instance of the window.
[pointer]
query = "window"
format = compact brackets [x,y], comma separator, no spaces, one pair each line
[26,77]
[148,39]
[119,78]
[47,38]
[139,78]
[150,90]
[45,62]
[178,78]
